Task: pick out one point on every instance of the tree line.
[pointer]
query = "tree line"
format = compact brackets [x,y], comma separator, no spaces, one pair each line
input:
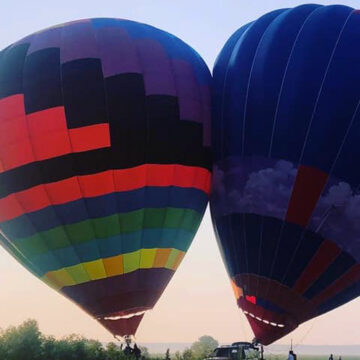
[26,342]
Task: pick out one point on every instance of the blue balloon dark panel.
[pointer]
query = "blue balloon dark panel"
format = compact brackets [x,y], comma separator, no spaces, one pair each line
[307,68]
[234,94]
[296,247]
[266,246]
[218,86]
[232,243]
[341,298]
[338,97]
[265,86]
[307,246]
[271,232]
[345,168]
[338,268]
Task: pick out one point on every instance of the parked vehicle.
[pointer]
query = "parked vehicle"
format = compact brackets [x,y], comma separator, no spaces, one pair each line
[237,351]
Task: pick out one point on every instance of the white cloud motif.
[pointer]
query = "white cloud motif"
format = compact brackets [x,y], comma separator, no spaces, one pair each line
[263,186]
[337,217]
[260,186]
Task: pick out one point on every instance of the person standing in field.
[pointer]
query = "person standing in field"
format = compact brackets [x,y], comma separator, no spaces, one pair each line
[137,352]
[291,355]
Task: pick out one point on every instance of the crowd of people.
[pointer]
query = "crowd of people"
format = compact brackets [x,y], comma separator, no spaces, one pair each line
[135,351]
[131,351]
[331,357]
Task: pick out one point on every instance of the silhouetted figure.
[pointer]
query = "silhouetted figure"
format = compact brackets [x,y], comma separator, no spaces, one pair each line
[137,352]
[262,352]
[167,355]
[128,351]
[291,355]
[331,357]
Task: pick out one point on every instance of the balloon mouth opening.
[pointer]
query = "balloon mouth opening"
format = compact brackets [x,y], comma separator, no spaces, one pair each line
[124,316]
[268,322]
[123,324]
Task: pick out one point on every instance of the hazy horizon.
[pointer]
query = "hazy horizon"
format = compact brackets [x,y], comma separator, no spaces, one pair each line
[199,299]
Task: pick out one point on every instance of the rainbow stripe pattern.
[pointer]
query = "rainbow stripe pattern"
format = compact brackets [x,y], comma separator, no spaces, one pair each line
[104,161]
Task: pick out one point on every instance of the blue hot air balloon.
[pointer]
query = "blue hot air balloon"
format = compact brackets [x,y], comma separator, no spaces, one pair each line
[285,201]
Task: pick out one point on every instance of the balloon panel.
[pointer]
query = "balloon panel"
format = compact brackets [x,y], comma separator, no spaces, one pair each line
[285,181]
[104,161]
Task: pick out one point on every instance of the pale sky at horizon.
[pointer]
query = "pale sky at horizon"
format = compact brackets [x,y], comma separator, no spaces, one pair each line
[199,299]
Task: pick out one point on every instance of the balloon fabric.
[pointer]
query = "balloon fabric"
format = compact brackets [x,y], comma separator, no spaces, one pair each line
[285,200]
[104,161]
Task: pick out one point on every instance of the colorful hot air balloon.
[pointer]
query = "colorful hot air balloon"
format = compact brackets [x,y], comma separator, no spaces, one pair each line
[104,161]
[285,201]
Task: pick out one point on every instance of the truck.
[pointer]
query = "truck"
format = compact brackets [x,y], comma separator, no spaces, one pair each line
[240,350]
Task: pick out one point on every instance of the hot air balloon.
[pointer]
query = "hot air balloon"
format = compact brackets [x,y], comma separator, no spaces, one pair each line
[104,161]
[285,200]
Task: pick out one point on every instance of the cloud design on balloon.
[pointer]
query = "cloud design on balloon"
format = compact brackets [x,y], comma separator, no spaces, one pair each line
[264,186]
[254,187]
[336,217]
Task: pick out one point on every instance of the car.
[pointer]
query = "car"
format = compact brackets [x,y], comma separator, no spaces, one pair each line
[237,351]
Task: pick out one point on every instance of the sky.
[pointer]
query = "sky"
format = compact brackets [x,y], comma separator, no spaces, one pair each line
[199,299]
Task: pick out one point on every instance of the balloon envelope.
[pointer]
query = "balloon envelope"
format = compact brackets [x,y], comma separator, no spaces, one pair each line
[104,161]
[285,201]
